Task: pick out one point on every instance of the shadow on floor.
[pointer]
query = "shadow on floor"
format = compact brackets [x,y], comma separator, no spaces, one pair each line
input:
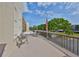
[2,46]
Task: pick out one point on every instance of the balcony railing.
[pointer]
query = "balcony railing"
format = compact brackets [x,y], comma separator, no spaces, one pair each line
[68,42]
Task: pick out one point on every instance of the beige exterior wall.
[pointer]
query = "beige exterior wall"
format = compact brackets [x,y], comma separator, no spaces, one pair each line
[6,22]
[10,20]
[17,18]
[27,27]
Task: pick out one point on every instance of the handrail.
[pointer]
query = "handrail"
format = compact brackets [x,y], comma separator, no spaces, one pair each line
[69,42]
[71,36]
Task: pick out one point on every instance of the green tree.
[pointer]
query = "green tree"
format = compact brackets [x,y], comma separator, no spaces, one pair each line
[34,27]
[60,23]
[41,27]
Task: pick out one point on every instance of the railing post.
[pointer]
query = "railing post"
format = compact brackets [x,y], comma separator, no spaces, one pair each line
[47,34]
[64,41]
[73,44]
[77,46]
[70,44]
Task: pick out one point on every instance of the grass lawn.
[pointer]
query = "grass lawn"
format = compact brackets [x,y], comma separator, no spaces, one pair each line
[75,34]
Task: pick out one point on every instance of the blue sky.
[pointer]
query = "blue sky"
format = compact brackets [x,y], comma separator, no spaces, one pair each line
[36,12]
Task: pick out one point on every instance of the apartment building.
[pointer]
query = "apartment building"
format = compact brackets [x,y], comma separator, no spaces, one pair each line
[75,28]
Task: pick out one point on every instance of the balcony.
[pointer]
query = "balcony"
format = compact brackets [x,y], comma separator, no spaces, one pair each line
[39,45]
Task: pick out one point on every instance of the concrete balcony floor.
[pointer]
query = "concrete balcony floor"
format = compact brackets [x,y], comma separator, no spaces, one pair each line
[36,47]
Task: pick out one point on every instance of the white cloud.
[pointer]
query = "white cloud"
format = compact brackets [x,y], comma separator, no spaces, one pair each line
[48,14]
[68,5]
[44,13]
[76,12]
[71,5]
[26,9]
[31,2]
[41,13]
[44,4]
[54,3]
[60,7]
[75,6]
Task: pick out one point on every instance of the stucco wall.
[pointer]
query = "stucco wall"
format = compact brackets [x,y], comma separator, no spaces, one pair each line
[9,17]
